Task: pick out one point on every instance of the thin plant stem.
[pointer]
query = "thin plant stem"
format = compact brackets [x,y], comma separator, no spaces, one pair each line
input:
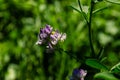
[89,23]
[89,27]
[71,55]
[82,12]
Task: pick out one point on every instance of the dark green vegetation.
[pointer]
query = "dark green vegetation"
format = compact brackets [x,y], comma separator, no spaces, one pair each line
[20,21]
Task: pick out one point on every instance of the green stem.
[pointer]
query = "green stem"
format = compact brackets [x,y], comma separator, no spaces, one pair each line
[89,23]
[70,54]
[89,28]
[82,12]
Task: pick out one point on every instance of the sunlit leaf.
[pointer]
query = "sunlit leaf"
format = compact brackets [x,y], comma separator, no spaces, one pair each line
[118,3]
[116,68]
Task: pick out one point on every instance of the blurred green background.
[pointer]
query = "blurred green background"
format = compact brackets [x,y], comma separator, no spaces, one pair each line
[20,21]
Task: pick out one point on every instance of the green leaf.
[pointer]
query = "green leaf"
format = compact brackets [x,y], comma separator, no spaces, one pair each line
[116,68]
[101,9]
[100,54]
[104,76]
[95,64]
[118,3]
[103,59]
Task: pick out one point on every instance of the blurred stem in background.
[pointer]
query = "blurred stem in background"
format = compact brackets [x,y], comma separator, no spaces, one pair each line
[89,28]
[89,24]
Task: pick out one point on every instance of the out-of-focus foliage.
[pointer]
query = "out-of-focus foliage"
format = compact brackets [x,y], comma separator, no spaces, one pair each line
[20,21]
[105,76]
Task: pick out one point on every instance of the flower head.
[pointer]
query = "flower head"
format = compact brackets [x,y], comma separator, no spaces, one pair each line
[50,37]
[48,29]
[83,73]
[78,74]
[44,33]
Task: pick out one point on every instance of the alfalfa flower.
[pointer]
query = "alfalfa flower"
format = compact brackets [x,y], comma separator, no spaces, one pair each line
[50,37]
[44,34]
[78,74]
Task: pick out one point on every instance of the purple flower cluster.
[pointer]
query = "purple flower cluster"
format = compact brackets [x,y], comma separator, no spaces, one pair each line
[78,74]
[50,37]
